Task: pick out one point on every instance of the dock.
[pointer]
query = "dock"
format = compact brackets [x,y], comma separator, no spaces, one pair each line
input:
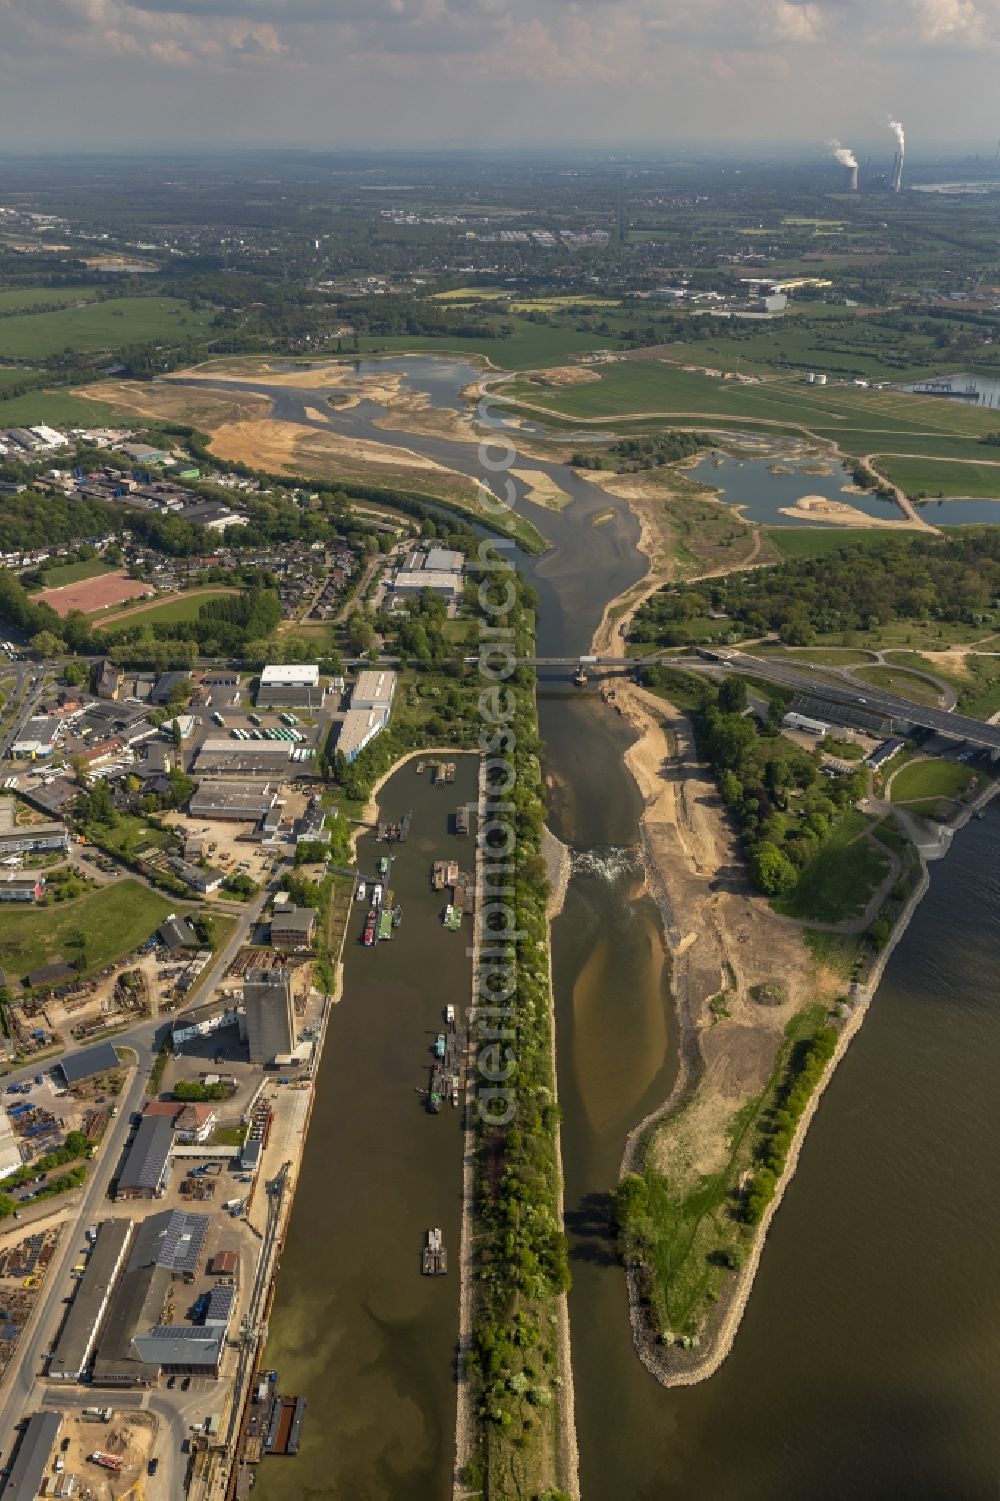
[285,1426]
[395,831]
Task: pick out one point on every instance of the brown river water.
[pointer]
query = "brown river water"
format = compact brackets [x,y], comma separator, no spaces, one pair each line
[868,1364]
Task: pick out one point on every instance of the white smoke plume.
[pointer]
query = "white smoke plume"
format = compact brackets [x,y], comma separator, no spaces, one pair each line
[895,126]
[844,155]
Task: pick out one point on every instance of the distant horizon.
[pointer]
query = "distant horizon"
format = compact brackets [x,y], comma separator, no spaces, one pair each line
[785,151]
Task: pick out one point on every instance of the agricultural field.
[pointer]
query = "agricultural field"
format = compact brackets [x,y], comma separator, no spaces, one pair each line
[820,541]
[933,477]
[58,407]
[858,421]
[101,325]
[13,299]
[532,345]
[95,928]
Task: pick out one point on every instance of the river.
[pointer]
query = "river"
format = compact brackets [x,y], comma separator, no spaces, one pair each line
[867,1366]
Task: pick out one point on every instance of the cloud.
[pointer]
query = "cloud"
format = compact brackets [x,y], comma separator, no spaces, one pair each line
[414,69]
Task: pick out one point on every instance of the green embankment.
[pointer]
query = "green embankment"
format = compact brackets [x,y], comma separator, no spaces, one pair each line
[689,1234]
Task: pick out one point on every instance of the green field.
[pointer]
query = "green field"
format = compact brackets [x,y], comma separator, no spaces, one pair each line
[169,612]
[100,326]
[71,573]
[59,408]
[819,541]
[838,884]
[98,927]
[12,299]
[939,477]
[858,421]
[532,345]
[923,782]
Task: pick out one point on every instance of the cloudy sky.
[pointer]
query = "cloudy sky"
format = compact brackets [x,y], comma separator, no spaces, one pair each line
[346,73]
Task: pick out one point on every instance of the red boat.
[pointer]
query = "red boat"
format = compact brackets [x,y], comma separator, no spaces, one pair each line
[371,927]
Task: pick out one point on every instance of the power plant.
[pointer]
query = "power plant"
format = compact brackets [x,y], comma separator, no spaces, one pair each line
[897,161]
[845,156]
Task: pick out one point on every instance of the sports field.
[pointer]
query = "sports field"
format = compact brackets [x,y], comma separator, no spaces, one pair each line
[71,573]
[93,594]
[172,611]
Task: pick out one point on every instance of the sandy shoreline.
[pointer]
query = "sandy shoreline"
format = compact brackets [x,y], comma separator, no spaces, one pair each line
[645,761]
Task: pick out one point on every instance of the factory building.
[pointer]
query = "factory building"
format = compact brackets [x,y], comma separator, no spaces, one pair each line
[100,1059]
[267,997]
[136,1344]
[144,1172]
[256,758]
[78,1336]
[290,687]
[38,738]
[371,705]
[232,801]
[202,1021]
[28,1472]
[292,928]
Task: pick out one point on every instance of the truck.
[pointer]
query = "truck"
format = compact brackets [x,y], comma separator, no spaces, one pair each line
[107,1461]
[98,1414]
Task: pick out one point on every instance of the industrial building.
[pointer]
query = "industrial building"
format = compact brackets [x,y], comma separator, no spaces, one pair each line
[233,801]
[407,584]
[100,1059]
[78,1337]
[267,998]
[290,687]
[177,934]
[136,1343]
[805,724]
[38,738]
[27,1474]
[292,928]
[144,1172]
[375,689]
[170,685]
[371,706]
[258,758]
[202,1021]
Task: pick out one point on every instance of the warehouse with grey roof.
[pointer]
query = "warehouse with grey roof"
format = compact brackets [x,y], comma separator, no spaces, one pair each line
[78,1336]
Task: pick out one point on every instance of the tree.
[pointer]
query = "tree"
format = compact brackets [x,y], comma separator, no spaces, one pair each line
[771,870]
[175,731]
[47,644]
[732,695]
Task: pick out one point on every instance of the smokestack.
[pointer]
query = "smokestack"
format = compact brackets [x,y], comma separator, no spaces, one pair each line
[897,165]
[845,156]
